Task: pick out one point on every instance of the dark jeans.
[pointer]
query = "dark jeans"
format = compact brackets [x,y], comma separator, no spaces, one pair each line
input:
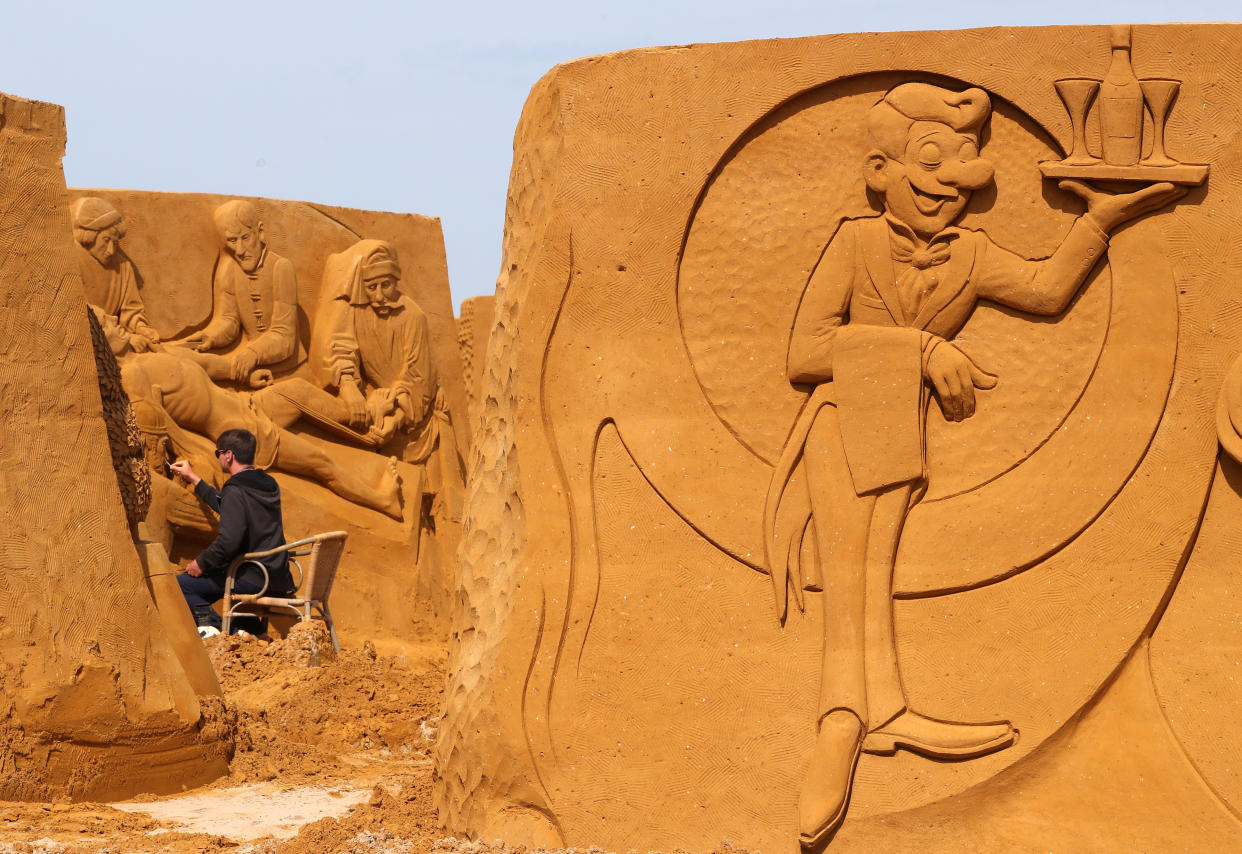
[200,593]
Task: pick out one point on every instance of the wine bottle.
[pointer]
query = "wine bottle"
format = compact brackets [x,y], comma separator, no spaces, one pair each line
[1121,105]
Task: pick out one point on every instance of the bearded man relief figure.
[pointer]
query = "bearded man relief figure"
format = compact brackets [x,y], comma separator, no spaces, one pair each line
[873,337]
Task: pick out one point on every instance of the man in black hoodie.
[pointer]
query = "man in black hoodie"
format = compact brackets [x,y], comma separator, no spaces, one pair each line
[250,521]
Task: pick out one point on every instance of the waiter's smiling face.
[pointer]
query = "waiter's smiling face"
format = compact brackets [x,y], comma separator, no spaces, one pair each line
[930,184]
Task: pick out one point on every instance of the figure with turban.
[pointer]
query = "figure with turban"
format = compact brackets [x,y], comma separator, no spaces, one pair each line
[255,296]
[873,340]
[109,277]
[371,353]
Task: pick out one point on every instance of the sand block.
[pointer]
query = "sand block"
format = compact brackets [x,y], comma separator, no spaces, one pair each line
[97,704]
[817,399]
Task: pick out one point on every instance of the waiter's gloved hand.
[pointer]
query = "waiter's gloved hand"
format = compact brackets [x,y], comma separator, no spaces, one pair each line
[955,377]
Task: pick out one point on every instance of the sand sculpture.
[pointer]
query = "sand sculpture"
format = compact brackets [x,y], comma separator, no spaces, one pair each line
[474,328]
[335,347]
[782,340]
[98,702]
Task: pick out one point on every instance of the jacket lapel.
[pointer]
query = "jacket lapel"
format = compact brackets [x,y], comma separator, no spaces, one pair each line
[953,280]
[878,258]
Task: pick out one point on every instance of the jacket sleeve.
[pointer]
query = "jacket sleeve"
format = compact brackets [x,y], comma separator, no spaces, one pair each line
[225,321]
[416,388]
[227,545]
[132,312]
[336,345]
[1041,287]
[280,341]
[209,494]
[824,310]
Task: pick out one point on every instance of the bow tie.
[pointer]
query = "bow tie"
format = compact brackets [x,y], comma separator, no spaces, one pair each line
[914,285]
[904,252]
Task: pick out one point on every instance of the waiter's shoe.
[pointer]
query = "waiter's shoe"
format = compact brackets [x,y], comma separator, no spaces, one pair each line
[826,790]
[938,739]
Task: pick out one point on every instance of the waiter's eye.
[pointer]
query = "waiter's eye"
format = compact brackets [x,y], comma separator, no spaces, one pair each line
[930,155]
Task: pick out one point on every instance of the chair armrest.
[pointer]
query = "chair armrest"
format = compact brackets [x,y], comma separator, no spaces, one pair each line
[237,564]
[286,547]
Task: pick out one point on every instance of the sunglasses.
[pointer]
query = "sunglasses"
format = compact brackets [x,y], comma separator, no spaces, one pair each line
[220,453]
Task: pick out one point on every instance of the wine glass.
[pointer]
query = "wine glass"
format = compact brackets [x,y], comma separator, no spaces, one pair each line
[1159,94]
[1077,93]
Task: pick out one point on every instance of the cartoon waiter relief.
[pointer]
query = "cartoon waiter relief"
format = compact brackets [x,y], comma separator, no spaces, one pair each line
[873,336]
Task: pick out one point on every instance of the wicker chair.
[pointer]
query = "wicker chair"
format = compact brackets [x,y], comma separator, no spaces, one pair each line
[314,582]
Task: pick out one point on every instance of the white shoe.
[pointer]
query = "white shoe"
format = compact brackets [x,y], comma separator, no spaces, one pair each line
[205,632]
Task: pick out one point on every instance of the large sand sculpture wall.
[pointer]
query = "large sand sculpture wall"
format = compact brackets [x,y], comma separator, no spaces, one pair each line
[395,580]
[619,675]
[96,704]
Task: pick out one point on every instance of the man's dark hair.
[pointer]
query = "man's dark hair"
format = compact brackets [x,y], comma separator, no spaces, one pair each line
[241,442]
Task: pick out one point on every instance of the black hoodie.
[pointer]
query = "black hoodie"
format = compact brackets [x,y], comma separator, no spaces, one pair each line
[250,521]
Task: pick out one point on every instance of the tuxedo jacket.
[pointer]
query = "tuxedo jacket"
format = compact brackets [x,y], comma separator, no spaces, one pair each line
[865,351]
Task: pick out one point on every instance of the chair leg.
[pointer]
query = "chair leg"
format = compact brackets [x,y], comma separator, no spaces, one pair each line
[327,618]
[226,618]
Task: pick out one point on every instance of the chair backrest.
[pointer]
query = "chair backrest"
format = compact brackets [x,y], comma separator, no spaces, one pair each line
[321,565]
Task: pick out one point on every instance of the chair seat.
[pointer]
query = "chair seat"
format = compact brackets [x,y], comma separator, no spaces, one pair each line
[271,600]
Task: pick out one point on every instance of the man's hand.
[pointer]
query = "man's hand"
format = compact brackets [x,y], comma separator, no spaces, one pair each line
[183,470]
[261,378]
[1109,210]
[955,379]
[139,344]
[243,362]
[198,341]
[193,570]
[355,403]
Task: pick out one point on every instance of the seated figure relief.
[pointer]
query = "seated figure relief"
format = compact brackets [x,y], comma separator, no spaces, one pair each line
[372,346]
[109,278]
[255,298]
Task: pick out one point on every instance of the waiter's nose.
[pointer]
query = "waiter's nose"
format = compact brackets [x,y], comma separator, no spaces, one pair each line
[966,174]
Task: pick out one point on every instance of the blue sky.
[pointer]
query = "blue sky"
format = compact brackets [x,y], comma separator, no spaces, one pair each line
[391,106]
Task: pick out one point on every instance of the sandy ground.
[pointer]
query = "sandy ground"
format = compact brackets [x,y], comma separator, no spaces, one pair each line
[333,757]
[330,758]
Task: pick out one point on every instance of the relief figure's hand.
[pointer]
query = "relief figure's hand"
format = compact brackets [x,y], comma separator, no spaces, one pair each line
[381,402]
[198,341]
[355,403]
[261,378]
[383,431]
[1109,210]
[955,377]
[243,362]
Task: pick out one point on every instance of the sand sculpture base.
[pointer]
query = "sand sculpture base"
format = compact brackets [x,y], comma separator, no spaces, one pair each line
[741,563]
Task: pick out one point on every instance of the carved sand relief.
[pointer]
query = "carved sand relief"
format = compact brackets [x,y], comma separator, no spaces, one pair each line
[311,338]
[1013,549]
[97,704]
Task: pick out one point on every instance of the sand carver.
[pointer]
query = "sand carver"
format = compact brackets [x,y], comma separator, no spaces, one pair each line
[255,297]
[873,337]
[250,521]
[371,344]
[109,278]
